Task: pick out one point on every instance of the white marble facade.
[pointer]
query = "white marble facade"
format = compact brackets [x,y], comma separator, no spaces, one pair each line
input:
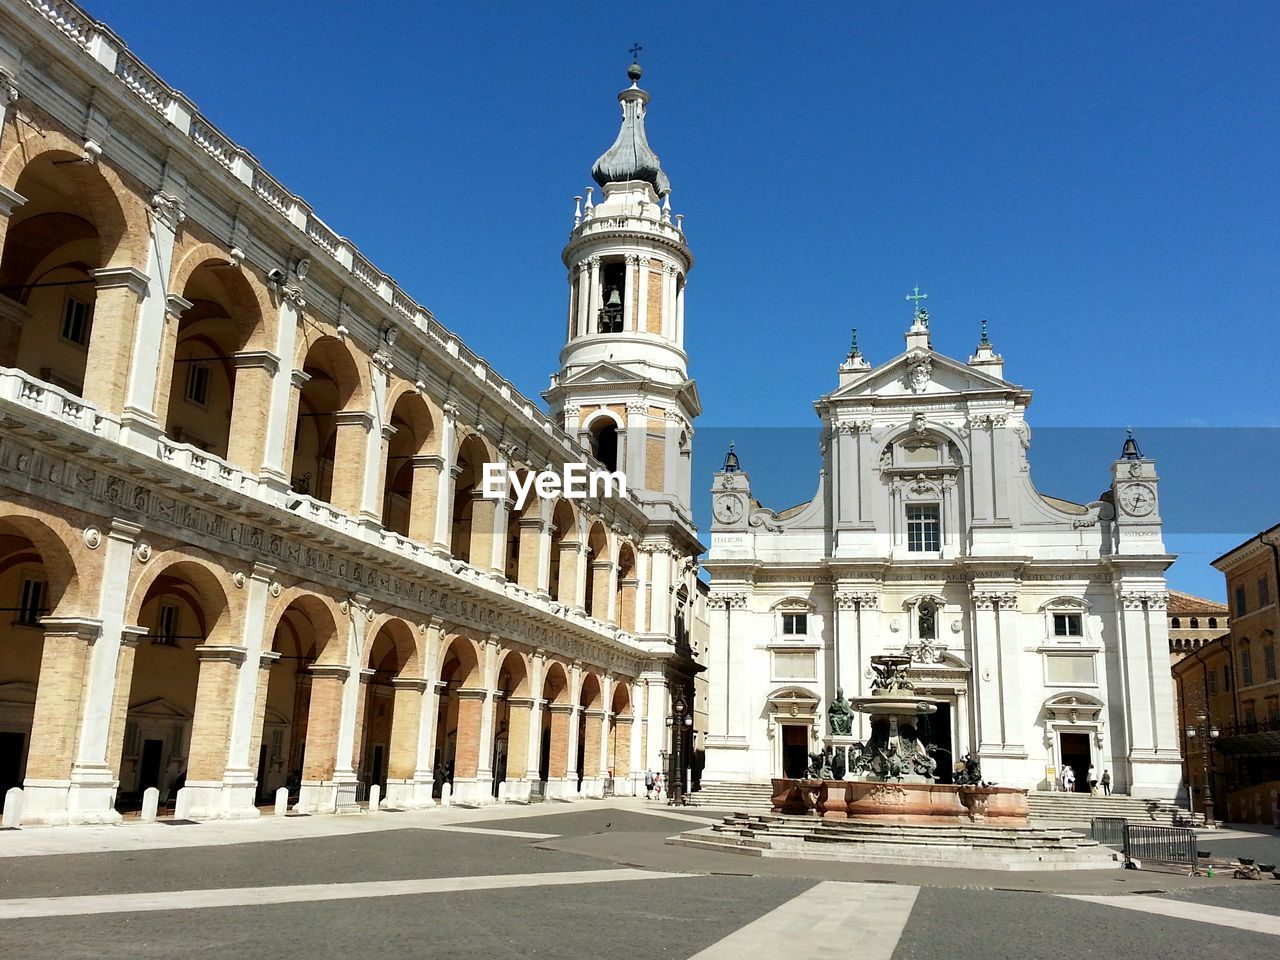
[1039,622]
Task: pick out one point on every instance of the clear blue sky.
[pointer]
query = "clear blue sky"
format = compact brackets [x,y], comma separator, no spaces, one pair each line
[1096,179]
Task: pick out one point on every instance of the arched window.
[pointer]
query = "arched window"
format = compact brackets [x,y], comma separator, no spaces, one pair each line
[1195,623]
[1213,623]
[1175,623]
[604,443]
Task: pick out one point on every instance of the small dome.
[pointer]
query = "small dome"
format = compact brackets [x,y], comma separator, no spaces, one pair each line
[631,157]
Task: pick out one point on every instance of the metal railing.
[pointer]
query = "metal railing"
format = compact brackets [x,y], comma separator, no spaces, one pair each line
[1170,846]
[1108,831]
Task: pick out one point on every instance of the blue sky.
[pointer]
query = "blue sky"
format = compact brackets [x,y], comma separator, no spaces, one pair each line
[1095,179]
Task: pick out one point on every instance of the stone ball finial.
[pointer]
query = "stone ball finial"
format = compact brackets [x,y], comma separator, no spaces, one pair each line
[634,73]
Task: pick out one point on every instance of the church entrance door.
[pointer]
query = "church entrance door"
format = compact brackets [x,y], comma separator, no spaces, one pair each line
[936,730]
[795,749]
[1074,748]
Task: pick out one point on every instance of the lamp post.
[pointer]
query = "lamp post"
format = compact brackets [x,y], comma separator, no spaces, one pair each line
[1207,732]
[679,721]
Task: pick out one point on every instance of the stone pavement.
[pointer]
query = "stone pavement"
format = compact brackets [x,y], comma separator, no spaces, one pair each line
[571,880]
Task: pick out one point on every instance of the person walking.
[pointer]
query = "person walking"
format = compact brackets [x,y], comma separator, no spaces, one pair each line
[648,784]
[1092,779]
[657,785]
[1068,779]
[1106,783]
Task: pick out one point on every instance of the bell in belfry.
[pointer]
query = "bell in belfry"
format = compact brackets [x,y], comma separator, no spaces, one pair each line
[611,312]
[615,300]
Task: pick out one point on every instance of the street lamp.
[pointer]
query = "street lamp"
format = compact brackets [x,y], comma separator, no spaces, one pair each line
[1207,732]
[679,721]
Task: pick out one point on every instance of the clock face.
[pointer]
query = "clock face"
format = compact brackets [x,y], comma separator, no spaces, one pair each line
[1138,499]
[728,509]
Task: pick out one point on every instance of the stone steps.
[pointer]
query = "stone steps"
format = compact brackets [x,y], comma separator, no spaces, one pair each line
[1081,808]
[734,796]
[953,845]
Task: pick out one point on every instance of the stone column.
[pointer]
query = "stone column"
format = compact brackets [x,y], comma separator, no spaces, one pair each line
[466,762]
[594,297]
[175,307]
[353,750]
[644,560]
[684,282]
[55,722]
[448,474]
[669,300]
[139,413]
[636,444]
[324,718]
[658,710]
[376,442]
[248,699]
[558,768]
[84,790]
[483,511]
[406,726]
[601,598]
[581,327]
[567,589]
[498,537]
[592,742]
[120,292]
[354,437]
[297,380]
[639,731]
[423,500]
[423,774]
[536,680]
[528,572]
[281,414]
[220,671]
[256,373]
[628,309]
[522,766]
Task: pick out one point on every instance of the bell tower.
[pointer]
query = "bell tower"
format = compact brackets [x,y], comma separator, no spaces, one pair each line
[623,387]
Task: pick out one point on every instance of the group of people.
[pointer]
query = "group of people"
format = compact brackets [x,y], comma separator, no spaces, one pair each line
[652,785]
[1096,784]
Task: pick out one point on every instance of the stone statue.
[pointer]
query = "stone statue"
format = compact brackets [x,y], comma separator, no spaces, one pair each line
[928,622]
[840,715]
[891,674]
[968,772]
[819,766]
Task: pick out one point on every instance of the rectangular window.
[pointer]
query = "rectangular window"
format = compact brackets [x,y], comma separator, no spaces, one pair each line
[1269,660]
[1250,715]
[31,603]
[77,317]
[924,533]
[1264,591]
[1068,625]
[1246,666]
[795,624]
[166,632]
[1273,711]
[198,383]
[1241,607]
[1212,682]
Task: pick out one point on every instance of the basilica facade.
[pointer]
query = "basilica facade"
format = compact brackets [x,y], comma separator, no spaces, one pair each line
[243,540]
[1038,624]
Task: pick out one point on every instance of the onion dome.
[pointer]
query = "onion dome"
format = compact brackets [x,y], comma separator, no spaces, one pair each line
[631,157]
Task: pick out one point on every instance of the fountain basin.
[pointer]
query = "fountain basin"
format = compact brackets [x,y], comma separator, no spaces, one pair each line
[901,802]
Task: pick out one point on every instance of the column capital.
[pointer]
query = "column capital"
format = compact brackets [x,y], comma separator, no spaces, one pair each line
[419,684]
[131,278]
[471,693]
[268,659]
[221,652]
[333,671]
[249,359]
[83,628]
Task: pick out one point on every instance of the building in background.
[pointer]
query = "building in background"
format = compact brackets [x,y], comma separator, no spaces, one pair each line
[243,535]
[1235,680]
[1193,622]
[1039,624]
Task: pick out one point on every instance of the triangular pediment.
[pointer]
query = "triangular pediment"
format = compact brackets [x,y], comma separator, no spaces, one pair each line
[921,373]
[160,708]
[603,372]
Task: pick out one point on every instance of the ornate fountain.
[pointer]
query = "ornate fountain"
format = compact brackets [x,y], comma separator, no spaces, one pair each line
[892,775]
